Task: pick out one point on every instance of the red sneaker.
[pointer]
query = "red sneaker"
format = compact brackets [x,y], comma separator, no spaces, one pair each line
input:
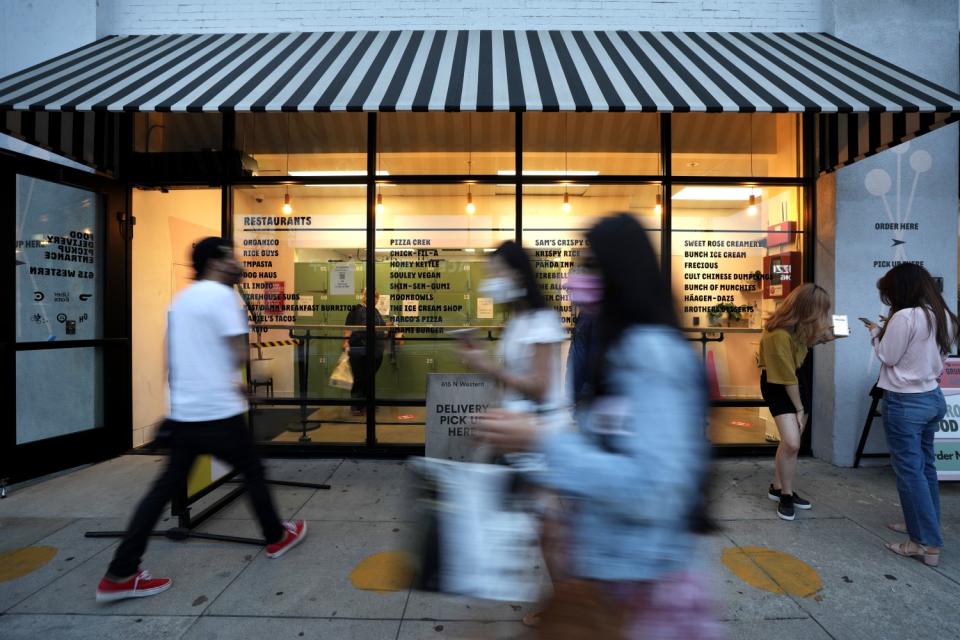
[294,533]
[139,586]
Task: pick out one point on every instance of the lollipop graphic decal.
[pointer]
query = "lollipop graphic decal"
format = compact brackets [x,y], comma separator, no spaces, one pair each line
[879,183]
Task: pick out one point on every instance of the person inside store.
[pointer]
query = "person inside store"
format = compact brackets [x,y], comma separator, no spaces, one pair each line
[355,344]
[585,290]
[527,365]
[207,345]
[801,321]
[528,359]
[912,344]
[635,469]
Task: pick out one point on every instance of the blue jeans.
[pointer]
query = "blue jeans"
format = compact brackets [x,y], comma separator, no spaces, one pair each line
[910,421]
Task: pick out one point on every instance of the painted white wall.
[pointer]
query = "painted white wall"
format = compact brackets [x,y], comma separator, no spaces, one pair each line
[167,226]
[164,16]
[922,179]
[32,31]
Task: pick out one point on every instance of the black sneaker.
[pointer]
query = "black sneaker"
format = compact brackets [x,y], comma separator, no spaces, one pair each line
[798,502]
[785,508]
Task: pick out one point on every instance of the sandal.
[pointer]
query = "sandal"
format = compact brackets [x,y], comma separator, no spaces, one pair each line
[899,527]
[913,550]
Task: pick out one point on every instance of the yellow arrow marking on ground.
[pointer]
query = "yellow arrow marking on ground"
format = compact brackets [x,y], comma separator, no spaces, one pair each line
[772,571]
[20,562]
[386,571]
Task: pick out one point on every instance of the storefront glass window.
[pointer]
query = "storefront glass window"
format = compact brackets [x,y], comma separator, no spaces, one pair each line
[445,143]
[735,248]
[303,272]
[59,262]
[556,217]
[581,145]
[59,280]
[430,259]
[736,144]
[736,252]
[303,145]
[177,132]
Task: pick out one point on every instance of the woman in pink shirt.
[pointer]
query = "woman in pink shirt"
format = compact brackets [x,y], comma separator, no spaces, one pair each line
[912,346]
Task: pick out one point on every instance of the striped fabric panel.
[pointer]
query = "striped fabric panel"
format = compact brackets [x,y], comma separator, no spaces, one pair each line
[862,103]
[473,71]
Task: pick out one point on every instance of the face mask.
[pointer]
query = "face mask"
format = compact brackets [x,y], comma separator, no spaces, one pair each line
[500,289]
[585,289]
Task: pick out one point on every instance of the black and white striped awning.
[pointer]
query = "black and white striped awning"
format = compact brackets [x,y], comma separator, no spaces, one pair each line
[487,71]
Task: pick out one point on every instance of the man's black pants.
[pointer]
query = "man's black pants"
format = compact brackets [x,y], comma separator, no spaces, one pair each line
[358,366]
[228,439]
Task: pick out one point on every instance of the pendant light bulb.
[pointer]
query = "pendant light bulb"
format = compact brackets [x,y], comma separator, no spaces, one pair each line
[566,203]
[658,208]
[752,209]
[471,208]
[287,207]
[379,207]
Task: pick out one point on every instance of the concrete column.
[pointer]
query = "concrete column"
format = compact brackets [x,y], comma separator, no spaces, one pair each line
[913,183]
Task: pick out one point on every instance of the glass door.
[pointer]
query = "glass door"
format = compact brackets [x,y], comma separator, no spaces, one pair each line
[67,326]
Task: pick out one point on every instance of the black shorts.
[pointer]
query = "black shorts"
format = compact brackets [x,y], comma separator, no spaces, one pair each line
[775,395]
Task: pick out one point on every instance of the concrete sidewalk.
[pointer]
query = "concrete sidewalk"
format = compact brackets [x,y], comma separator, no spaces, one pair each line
[826,575]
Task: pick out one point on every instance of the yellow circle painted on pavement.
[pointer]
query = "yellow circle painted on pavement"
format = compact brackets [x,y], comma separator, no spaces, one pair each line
[773,571]
[385,572]
[21,562]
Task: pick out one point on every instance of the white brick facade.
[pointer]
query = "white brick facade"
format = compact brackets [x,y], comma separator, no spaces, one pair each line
[180,16]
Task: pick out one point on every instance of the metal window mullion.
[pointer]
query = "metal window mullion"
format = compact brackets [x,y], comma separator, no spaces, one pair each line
[809,197]
[371,239]
[666,210]
[228,134]
[518,177]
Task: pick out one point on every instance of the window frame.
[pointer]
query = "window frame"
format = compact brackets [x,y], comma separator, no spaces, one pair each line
[665,179]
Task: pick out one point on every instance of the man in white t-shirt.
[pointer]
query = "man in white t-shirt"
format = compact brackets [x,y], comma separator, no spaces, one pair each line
[207,346]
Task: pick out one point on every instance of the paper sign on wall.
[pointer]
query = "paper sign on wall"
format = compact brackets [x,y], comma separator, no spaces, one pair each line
[305,301]
[411,308]
[383,305]
[341,280]
[484,308]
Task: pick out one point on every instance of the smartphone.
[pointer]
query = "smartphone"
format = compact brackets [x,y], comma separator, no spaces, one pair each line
[866,320]
[841,327]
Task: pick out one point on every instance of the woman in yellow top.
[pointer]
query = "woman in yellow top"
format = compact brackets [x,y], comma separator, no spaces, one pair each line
[800,322]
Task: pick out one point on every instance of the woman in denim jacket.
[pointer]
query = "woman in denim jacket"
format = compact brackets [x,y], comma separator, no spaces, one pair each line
[636,469]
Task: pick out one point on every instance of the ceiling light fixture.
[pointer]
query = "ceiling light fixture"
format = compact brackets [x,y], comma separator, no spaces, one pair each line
[546,172]
[378,207]
[287,208]
[565,207]
[470,208]
[716,193]
[335,174]
[658,208]
[752,208]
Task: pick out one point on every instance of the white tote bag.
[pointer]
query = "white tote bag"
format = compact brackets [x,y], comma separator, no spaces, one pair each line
[342,376]
[487,534]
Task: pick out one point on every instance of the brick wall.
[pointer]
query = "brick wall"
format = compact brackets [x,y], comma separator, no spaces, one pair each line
[175,16]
